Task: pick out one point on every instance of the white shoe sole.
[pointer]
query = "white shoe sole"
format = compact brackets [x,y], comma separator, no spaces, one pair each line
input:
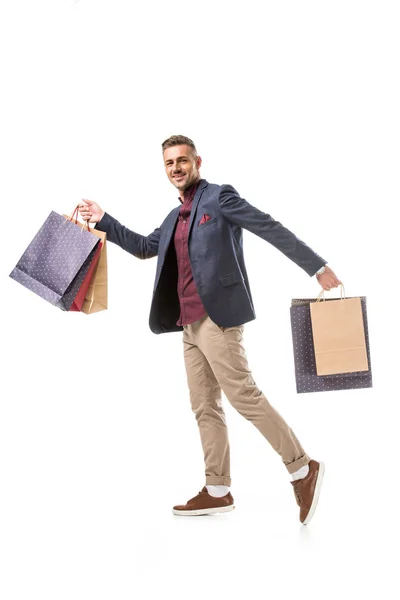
[314,503]
[203,511]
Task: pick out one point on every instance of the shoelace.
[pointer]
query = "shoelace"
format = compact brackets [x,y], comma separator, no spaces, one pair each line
[296,491]
[201,493]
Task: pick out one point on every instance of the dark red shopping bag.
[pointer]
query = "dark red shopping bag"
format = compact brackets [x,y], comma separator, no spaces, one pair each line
[81,295]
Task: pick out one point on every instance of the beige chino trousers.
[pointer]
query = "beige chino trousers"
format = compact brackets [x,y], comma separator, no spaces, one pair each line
[215,359]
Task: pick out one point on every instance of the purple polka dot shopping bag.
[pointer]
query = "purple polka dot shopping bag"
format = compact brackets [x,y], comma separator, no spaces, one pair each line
[55,263]
[330,343]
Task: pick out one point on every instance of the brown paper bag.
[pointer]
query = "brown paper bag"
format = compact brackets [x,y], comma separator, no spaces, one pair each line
[96,298]
[338,335]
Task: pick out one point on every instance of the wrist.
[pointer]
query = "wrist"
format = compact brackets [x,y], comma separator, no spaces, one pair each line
[321,270]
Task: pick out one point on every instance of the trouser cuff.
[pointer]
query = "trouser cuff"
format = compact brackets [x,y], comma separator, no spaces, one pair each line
[297,464]
[215,480]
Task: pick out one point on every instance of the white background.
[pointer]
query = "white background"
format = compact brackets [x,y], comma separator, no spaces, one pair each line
[294,103]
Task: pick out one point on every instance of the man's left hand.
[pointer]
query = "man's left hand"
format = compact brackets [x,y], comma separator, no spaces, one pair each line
[328,279]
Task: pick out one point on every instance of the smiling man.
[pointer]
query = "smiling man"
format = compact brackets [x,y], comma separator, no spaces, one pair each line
[202,289]
[182,166]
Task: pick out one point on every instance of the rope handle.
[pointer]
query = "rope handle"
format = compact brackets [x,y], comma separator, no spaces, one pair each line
[342,297]
[73,217]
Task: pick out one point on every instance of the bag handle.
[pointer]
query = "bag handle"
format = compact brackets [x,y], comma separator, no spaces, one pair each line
[72,215]
[323,291]
[75,214]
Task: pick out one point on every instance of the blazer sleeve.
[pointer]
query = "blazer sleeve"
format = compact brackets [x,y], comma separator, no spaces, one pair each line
[241,213]
[139,245]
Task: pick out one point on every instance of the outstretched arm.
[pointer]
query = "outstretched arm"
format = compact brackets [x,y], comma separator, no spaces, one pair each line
[240,212]
[139,245]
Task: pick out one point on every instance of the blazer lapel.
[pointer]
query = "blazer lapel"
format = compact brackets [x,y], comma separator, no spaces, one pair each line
[175,213]
[197,196]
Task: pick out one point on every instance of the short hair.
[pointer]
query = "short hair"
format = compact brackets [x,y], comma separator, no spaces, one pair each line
[177,140]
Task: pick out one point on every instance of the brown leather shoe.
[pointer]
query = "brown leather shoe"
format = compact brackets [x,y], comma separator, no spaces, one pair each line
[307,490]
[204,504]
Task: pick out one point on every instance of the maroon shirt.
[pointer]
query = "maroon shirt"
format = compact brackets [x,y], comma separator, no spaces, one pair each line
[191,306]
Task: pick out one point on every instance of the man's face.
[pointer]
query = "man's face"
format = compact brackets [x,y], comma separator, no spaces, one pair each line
[181,167]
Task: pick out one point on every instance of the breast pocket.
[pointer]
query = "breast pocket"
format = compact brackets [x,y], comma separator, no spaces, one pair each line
[207,223]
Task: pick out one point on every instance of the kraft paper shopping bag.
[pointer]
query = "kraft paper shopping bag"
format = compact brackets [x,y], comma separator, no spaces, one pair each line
[97,294]
[338,335]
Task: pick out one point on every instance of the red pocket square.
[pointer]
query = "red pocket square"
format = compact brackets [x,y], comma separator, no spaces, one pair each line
[204,218]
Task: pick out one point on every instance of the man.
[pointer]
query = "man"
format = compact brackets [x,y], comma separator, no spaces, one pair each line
[201,288]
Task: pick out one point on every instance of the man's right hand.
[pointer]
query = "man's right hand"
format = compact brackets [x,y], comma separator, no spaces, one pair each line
[90,211]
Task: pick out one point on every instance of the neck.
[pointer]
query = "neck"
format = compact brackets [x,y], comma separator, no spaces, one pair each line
[182,192]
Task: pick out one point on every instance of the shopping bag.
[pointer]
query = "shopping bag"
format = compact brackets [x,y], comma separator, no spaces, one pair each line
[307,379]
[57,260]
[79,299]
[338,335]
[97,294]
[93,294]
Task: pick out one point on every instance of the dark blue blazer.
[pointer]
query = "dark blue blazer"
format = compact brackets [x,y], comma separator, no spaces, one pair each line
[216,255]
